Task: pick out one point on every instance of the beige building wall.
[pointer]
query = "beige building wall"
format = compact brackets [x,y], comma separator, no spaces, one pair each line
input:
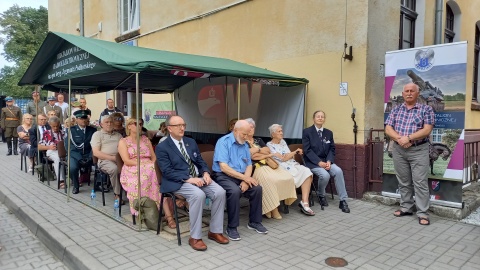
[302,40]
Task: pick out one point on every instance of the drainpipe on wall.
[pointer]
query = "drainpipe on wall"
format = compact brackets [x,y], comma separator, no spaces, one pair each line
[438,21]
[82,33]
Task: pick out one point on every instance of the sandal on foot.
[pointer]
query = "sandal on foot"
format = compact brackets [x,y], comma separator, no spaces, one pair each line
[62,185]
[400,213]
[171,222]
[420,219]
[305,209]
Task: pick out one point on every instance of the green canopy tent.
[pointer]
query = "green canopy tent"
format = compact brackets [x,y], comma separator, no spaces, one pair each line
[94,65]
[85,65]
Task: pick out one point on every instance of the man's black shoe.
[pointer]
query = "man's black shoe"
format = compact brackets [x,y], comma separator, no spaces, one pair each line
[75,190]
[323,201]
[344,206]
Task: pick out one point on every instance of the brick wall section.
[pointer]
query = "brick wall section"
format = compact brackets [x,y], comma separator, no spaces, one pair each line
[344,159]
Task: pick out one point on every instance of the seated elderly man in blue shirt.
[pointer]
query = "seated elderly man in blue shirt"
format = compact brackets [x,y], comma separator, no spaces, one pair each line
[232,170]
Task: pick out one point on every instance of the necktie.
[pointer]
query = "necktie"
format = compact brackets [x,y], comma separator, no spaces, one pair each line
[191,167]
[320,134]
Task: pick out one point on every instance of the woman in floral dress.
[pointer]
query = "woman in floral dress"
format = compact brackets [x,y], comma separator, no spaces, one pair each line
[127,148]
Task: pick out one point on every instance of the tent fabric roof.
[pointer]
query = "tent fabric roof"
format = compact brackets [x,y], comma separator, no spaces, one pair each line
[95,65]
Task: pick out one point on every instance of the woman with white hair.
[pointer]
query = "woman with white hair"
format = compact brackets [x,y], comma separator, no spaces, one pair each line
[277,184]
[285,158]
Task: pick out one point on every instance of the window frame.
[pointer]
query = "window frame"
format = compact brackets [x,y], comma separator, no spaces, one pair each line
[407,12]
[449,25]
[130,18]
[476,54]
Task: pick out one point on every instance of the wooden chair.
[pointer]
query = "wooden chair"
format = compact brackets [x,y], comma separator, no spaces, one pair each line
[207,156]
[160,211]
[100,179]
[203,147]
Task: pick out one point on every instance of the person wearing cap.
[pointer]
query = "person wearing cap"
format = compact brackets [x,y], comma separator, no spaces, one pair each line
[52,107]
[35,107]
[10,119]
[80,147]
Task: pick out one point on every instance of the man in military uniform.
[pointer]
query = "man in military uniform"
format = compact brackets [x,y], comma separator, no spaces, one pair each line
[35,107]
[80,147]
[52,107]
[10,119]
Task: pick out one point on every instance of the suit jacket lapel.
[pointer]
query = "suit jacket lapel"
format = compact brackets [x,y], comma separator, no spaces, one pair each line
[175,148]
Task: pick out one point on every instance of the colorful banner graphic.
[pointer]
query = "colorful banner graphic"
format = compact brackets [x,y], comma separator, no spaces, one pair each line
[440,73]
[154,113]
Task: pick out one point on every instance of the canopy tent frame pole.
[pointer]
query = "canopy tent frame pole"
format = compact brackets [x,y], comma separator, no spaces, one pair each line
[238,100]
[172,101]
[69,136]
[36,121]
[138,150]
[225,94]
[305,105]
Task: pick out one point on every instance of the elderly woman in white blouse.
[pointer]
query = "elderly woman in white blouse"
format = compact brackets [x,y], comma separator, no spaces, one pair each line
[302,175]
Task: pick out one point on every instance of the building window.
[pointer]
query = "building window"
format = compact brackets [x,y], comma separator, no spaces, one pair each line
[437,134]
[449,24]
[408,16]
[475,63]
[130,15]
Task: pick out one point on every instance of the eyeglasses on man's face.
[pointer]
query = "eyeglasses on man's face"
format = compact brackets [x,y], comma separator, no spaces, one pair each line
[118,119]
[179,125]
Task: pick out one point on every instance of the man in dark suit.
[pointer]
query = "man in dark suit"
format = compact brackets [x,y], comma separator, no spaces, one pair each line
[35,134]
[80,147]
[185,173]
[319,155]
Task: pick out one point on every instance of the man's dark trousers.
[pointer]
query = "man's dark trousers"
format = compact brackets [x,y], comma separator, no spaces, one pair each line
[254,194]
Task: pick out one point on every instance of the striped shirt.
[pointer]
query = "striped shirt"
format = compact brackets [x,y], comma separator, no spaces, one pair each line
[407,121]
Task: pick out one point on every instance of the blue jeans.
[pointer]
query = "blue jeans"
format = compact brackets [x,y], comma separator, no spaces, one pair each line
[323,177]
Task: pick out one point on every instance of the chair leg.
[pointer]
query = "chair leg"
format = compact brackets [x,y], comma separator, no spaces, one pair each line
[160,210]
[331,186]
[175,214]
[285,207]
[33,166]
[121,198]
[104,176]
[21,162]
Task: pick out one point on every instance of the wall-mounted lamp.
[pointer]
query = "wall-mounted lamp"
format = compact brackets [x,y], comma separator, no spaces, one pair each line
[349,55]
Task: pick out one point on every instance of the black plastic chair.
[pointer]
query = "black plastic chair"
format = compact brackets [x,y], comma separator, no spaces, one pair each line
[119,162]
[100,179]
[48,162]
[160,211]
[23,162]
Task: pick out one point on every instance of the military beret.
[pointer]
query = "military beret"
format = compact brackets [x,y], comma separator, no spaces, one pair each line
[51,98]
[7,99]
[81,114]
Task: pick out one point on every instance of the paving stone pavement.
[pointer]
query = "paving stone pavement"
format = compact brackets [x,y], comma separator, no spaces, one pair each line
[20,249]
[370,237]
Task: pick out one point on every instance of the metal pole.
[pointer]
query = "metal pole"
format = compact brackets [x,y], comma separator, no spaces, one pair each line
[438,21]
[67,181]
[305,105]
[238,100]
[138,152]
[82,23]
[36,120]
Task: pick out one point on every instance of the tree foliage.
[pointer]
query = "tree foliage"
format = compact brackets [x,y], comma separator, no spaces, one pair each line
[23,30]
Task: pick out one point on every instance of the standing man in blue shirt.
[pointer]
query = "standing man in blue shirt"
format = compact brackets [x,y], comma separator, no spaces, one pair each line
[232,170]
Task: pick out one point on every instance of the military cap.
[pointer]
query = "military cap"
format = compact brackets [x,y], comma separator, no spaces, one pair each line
[7,99]
[76,104]
[81,114]
[51,98]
